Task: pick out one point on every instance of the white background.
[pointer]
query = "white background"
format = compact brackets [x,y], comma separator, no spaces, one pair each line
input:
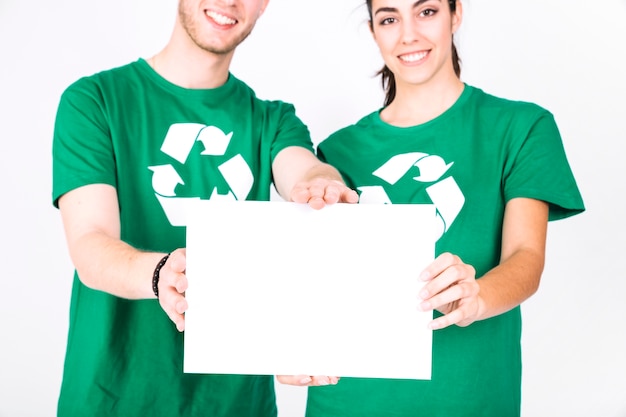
[567,56]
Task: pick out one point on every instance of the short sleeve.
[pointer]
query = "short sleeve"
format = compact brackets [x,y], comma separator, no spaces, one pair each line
[538,168]
[290,130]
[82,151]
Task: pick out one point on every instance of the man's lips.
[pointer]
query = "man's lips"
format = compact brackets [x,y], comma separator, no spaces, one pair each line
[219,18]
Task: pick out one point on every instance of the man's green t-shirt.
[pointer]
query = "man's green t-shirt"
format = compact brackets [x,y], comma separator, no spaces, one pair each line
[468,162]
[160,146]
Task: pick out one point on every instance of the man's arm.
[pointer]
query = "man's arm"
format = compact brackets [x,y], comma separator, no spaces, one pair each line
[301,177]
[104,262]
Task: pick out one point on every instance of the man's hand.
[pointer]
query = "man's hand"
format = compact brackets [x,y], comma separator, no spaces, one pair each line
[172,286]
[299,176]
[320,191]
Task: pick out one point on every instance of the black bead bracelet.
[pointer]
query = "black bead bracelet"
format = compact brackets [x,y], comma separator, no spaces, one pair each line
[157,275]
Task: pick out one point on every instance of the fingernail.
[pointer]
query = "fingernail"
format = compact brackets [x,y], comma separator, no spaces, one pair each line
[305,380]
[425,306]
[424,294]
[424,276]
[323,383]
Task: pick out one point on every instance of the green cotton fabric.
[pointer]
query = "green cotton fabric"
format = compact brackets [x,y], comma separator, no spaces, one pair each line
[158,145]
[490,150]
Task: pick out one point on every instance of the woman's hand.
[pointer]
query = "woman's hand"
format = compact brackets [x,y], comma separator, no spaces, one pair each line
[307,380]
[452,289]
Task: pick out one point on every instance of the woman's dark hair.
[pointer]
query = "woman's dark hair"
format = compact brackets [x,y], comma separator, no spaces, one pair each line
[389,80]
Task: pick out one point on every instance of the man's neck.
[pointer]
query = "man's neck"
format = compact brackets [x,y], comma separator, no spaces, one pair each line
[191,67]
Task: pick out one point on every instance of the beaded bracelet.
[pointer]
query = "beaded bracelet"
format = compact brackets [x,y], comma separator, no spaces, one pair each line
[157,275]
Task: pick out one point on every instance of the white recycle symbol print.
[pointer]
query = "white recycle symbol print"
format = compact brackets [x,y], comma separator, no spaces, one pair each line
[445,194]
[178,144]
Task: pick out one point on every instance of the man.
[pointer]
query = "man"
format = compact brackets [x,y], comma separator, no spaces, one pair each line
[132,146]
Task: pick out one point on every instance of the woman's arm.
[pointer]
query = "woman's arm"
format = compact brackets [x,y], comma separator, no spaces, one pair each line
[453,290]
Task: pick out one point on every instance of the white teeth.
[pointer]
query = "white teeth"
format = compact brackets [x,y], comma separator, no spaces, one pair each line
[220,19]
[413,57]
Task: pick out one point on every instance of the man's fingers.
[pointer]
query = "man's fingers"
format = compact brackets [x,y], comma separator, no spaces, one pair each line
[177,318]
[320,192]
[349,196]
[178,260]
[172,287]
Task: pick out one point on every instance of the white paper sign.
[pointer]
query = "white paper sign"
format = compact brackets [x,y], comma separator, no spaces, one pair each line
[278,288]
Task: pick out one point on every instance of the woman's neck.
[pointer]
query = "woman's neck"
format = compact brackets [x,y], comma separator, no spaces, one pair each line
[418,104]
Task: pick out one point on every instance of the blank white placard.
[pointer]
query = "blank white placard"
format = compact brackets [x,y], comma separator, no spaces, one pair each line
[278,288]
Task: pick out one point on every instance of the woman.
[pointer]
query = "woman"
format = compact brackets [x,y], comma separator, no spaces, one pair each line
[497,172]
